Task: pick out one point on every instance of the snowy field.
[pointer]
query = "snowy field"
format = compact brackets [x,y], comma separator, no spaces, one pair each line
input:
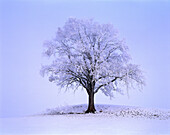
[108,120]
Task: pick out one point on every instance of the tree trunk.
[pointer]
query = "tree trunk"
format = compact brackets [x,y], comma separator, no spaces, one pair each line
[91,107]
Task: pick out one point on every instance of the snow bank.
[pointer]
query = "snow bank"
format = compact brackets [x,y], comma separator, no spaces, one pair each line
[112,110]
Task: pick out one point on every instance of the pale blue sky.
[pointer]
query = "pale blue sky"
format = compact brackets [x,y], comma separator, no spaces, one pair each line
[25,25]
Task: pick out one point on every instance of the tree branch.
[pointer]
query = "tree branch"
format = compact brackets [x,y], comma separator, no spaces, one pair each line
[106,84]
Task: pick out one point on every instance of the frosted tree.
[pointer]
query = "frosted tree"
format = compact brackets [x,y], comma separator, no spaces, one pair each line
[90,55]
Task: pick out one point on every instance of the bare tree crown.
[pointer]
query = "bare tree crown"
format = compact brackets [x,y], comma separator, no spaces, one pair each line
[88,54]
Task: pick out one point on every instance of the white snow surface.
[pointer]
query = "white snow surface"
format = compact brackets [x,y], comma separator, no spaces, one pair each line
[108,120]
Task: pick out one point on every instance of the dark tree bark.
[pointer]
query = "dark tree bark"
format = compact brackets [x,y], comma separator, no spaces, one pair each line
[91,107]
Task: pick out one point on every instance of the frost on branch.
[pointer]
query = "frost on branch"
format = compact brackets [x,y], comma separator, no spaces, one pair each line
[90,55]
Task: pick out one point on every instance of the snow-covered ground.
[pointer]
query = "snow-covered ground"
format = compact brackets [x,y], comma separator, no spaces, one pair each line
[109,120]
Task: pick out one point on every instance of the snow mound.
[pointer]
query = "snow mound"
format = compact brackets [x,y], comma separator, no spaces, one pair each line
[112,110]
